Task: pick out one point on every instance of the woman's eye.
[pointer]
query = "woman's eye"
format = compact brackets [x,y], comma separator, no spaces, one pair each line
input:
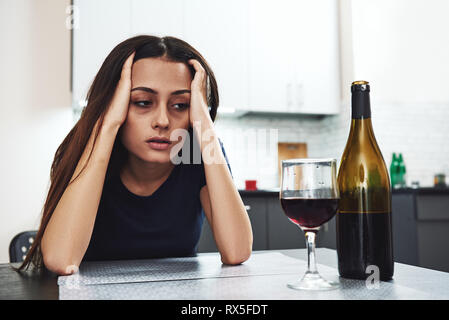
[181,106]
[142,103]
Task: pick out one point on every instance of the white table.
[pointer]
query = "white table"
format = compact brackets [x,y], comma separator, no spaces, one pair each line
[263,277]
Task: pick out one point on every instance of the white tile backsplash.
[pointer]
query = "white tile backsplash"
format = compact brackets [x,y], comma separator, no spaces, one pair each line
[419,131]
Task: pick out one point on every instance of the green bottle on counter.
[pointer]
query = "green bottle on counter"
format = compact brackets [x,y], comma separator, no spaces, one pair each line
[401,172]
[394,169]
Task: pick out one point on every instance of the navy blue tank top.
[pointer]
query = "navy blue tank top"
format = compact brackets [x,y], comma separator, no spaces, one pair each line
[167,223]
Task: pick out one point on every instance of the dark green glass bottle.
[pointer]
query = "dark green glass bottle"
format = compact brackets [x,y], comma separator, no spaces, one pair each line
[394,166]
[401,172]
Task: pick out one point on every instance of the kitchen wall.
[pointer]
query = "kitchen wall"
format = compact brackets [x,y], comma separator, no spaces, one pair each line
[419,130]
[35,108]
[259,161]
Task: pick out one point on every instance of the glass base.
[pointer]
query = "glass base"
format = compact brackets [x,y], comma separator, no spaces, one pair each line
[313,281]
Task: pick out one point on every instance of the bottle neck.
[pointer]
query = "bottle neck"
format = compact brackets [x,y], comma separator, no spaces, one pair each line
[361,107]
[362,133]
[362,129]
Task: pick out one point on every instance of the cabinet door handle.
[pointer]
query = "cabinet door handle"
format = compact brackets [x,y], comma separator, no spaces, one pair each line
[247,207]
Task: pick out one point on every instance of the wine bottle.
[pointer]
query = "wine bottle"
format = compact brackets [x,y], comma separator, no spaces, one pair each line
[364,228]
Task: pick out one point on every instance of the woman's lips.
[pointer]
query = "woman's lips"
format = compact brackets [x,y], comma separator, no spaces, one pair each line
[158,145]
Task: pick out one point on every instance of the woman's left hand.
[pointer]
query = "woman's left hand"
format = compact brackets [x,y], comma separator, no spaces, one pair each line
[199,110]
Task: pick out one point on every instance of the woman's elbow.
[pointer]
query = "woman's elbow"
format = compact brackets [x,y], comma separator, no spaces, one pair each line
[237,257]
[59,266]
[234,260]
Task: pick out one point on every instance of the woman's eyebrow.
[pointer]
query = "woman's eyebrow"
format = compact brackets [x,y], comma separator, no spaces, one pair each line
[155,92]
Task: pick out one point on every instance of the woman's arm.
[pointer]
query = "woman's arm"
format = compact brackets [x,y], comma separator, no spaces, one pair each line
[68,232]
[222,204]
[220,199]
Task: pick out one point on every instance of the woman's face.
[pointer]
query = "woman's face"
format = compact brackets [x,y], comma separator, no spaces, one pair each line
[159,104]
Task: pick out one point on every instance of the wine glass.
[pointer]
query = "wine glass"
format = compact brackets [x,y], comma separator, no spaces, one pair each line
[309,197]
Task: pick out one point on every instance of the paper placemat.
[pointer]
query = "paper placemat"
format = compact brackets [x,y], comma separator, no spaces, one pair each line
[263,276]
[203,266]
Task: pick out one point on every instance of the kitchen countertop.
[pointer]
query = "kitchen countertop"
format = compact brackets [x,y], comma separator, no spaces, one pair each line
[421,190]
[260,192]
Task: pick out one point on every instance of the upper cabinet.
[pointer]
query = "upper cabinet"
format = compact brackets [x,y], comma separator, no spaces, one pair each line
[267,56]
[159,18]
[218,30]
[102,25]
[293,56]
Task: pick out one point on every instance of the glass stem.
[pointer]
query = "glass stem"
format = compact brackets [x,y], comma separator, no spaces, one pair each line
[310,242]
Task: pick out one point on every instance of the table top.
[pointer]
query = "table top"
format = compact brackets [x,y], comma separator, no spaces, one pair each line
[27,285]
[409,282]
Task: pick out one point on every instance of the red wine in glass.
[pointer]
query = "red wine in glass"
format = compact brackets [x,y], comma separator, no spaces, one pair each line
[309,213]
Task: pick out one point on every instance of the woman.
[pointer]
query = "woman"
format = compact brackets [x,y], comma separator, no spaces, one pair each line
[117,190]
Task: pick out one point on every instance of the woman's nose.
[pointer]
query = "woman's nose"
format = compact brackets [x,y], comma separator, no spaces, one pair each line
[161,118]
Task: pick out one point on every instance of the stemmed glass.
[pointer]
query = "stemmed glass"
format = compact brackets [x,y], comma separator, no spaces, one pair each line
[309,197]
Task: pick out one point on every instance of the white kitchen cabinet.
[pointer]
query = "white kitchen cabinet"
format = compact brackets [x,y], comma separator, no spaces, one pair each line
[293,56]
[156,17]
[267,56]
[320,59]
[219,31]
[102,25]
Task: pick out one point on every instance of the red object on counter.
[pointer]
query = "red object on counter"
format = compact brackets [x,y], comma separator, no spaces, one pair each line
[250,184]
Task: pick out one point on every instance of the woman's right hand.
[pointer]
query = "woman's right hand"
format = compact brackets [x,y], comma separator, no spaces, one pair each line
[118,108]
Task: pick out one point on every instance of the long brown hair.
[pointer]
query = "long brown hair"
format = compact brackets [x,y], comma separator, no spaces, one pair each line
[98,98]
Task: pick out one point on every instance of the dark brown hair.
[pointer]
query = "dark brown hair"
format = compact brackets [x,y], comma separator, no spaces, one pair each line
[98,98]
